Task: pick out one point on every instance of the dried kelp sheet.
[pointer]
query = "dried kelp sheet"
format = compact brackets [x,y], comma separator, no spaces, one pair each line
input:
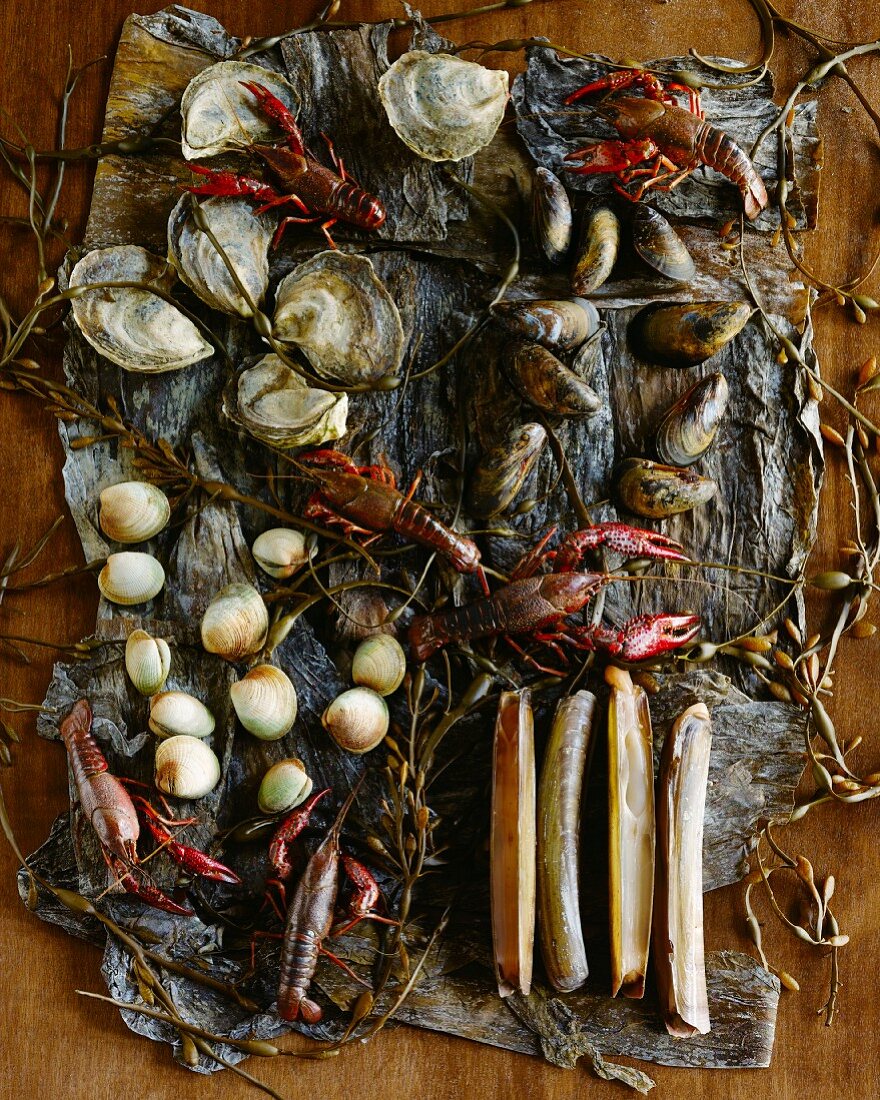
[767,462]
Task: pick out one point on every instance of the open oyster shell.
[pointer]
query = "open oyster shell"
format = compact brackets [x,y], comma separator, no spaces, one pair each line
[274,404]
[442,107]
[243,237]
[131,327]
[339,314]
[219,115]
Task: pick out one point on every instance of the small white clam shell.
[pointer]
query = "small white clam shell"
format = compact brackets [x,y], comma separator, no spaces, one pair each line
[379,663]
[265,702]
[443,107]
[280,551]
[134,328]
[284,786]
[147,661]
[131,577]
[357,720]
[177,712]
[235,623]
[220,115]
[186,767]
[133,511]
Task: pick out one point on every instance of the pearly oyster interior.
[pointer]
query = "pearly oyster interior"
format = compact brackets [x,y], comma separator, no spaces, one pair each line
[243,237]
[339,314]
[442,107]
[131,327]
[219,115]
[274,404]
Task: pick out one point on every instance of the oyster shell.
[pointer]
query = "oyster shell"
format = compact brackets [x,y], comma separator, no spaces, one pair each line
[597,250]
[219,115]
[244,237]
[650,489]
[660,246]
[133,328]
[687,430]
[551,216]
[558,324]
[339,314]
[442,107]
[276,405]
[542,380]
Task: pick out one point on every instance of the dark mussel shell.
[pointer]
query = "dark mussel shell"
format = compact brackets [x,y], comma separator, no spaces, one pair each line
[597,250]
[660,246]
[655,491]
[560,324]
[687,430]
[501,472]
[542,380]
[682,334]
[551,216]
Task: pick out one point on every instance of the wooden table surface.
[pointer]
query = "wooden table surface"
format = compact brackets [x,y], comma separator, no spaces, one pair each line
[53,1043]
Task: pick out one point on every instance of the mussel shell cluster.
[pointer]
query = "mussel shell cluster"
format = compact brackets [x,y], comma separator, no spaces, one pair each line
[559,324]
[274,404]
[338,312]
[551,216]
[441,106]
[687,430]
[660,246]
[134,328]
[220,115]
[548,384]
[503,469]
[655,491]
[686,334]
[597,250]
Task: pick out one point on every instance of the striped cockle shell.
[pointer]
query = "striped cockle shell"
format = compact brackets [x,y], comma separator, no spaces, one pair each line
[687,430]
[147,661]
[379,663]
[235,623]
[558,324]
[280,551]
[284,786]
[131,577]
[186,767]
[178,712]
[357,720]
[265,702]
[551,216]
[133,511]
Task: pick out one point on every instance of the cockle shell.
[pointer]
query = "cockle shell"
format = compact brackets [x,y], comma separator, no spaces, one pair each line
[133,511]
[551,216]
[130,578]
[357,720]
[280,551]
[284,786]
[501,472]
[683,335]
[337,311]
[147,661]
[177,712]
[131,327]
[687,430]
[243,236]
[186,767]
[219,114]
[558,324]
[379,663]
[542,380]
[265,702]
[653,490]
[660,246]
[597,250]
[235,623]
[274,404]
[443,107]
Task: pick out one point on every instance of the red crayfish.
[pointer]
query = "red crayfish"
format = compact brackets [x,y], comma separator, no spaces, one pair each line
[304,182]
[107,805]
[536,604]
[662,142]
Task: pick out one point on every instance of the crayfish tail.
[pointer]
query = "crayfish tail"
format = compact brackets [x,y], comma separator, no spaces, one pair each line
[291,1007]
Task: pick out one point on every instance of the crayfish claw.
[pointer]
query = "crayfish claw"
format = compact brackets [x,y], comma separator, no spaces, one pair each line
[650,635]
[631,542]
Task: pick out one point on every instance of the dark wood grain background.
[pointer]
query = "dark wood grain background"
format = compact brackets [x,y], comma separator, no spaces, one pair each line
[53,1043]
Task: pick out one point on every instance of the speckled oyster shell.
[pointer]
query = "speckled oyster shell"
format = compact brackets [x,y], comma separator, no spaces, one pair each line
[133,328]
[442,107]
[274,404]
[336,310]
[244,238]
[219,115]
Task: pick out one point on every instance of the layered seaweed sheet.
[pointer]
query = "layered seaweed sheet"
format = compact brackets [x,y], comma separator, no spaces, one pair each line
[440,255]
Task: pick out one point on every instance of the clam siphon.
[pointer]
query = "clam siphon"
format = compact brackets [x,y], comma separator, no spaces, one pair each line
[235,623]
[357,720]
[280,551]
[654,490]
[548,384]
[560,325]
[147,661]
[683,335]
[177,712]
[265,702]
[186,767]
[551,216]
[131,577]
[597,250]
[688,429]
[660,246]
[284,786]
[379,663]
[133,511]
[501,472]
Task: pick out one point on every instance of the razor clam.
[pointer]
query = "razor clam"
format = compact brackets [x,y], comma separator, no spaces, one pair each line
[501,472]
[683,335]
[277,406]
[539,378]
[559,324]
[133,328]
[244,237]
[443,107]
[597,250]
[660,246]
[687,430]
[219,115]
[339,314]
[551,216]
[653,490]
